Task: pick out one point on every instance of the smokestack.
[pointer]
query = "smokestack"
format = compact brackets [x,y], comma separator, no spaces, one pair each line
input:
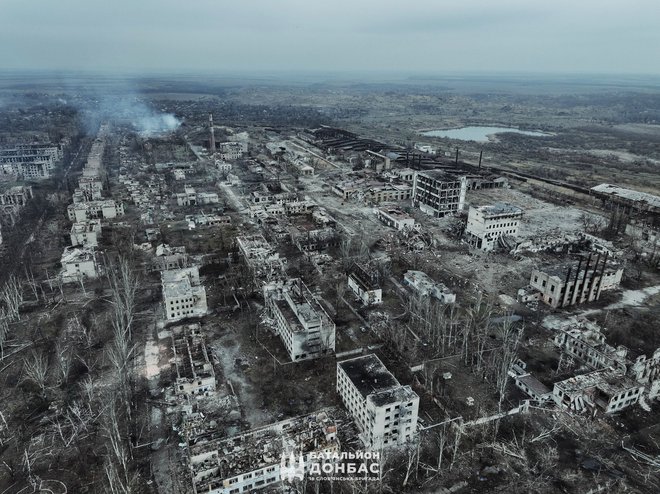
[457,156]
[212,136]
[481,153]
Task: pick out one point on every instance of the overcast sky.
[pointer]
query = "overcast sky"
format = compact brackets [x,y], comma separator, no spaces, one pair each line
[575,36]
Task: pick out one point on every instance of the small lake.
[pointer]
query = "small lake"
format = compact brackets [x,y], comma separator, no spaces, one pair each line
[479,134]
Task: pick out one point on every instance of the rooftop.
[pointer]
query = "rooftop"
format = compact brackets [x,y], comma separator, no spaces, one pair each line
[499,208]
[631,195]
[260,448]
[368,374]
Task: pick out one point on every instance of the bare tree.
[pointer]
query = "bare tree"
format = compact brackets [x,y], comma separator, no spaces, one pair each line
[117,465]
[35,368]
[12,297]
[4,333]
[506,356]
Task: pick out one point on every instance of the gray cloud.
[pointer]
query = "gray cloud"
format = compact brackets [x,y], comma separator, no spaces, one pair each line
[342,35]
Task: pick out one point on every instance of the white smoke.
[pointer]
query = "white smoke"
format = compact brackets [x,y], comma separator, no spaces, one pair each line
[154,124]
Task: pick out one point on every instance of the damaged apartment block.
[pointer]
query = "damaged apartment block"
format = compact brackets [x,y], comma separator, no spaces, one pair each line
[572,283]
[384,411]
[260,256]
[305,328]
[253,460]
[364,285]
[183,294]
[194,372]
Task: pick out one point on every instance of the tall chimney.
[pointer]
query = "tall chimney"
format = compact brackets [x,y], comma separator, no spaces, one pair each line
[457,156]
[212,136]
[481,153]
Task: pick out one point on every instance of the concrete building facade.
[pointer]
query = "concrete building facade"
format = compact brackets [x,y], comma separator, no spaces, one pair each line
[384,411]
[573,283]
[364,286]
[438,193]
[486,224]
[183,294]
[305,328]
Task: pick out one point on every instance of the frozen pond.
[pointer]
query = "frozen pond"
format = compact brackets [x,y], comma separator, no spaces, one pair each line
[479,134]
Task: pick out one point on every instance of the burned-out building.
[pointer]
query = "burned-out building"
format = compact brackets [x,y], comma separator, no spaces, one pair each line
[605,389]
[78,263]
[254,460]
[487,225]
[194,374]
[86,233]
[364,284]
[260,256]
[168,257]
[315,240]
[104,209]
[384,410]
[425,286]
[395,218]
[572,283]
[30,161]
[438,192]
[302,323]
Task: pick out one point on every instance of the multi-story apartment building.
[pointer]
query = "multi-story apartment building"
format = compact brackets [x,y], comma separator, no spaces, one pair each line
[78,263]
[365,286]
[384,411]
[84,211]
[438,193]
[608,390]
[183,294]
[486,224]
[29,161]
[572,283]
[254,460]
[86,233]
[305,328]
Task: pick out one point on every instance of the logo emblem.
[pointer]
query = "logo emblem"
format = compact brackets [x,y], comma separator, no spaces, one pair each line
[293,468]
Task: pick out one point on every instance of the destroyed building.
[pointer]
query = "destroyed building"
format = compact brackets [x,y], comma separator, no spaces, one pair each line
[605,389]
[364,285]
[384,411]
[572,283]
[315,240]
[30,161]
[183,294]
[168,257]
[260,256]
[305,328]
[582,340]
[190,197]
[105,209]
[641,204]
[251,461]
[438,193]
[78,263]
[388,193]
[424,286]
[231,150]
[194,371]
[395,218]
[86,233]
[488,226]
